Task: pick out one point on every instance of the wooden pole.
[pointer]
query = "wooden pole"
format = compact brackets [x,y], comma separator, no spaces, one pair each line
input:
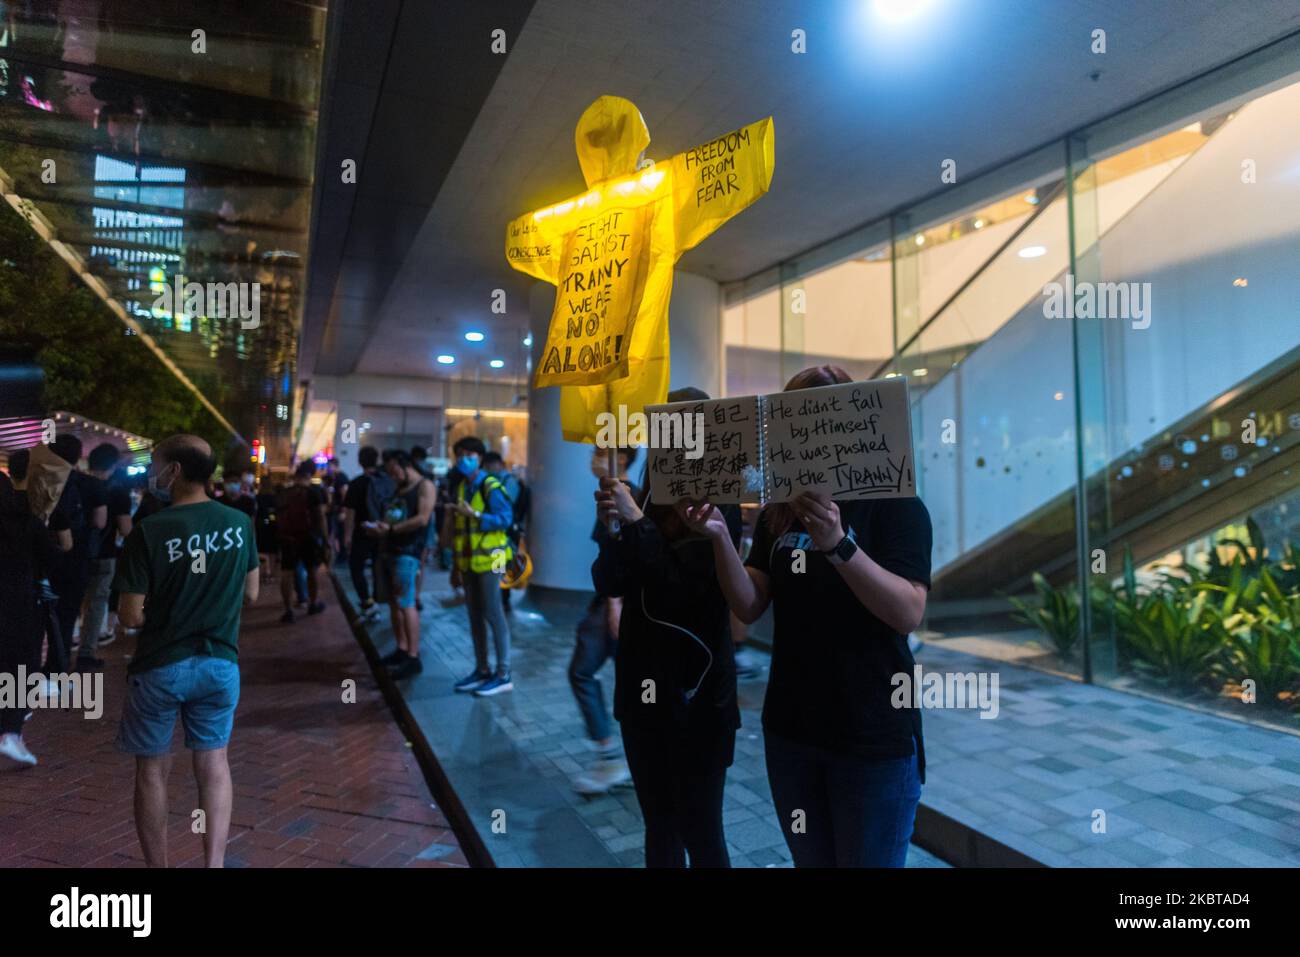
[615,527]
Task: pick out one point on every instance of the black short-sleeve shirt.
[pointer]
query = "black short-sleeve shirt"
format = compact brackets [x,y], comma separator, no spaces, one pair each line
[119,504]
[833,661]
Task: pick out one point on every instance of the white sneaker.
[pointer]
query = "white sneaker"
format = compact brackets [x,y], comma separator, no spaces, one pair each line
[14,754]
[606,774]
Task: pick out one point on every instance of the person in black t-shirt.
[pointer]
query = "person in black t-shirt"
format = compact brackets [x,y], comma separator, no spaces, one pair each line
[85,504]
[674,632]
[362,549]
[94,623]
[847,583]
[300,525]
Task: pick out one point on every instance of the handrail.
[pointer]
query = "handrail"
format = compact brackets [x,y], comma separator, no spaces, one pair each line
[1043,203]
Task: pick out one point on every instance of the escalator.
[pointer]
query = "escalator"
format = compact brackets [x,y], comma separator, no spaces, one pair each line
[1168,460]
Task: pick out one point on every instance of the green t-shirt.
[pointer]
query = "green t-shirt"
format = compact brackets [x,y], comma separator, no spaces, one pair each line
[190,562]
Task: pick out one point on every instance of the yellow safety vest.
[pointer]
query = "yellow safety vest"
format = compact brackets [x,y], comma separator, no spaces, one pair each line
[483,548]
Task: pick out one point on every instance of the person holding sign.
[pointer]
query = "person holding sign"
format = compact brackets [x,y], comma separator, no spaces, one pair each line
[675,674]
[848,582]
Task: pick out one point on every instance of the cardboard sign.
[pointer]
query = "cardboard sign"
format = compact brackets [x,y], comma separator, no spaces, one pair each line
[849,441]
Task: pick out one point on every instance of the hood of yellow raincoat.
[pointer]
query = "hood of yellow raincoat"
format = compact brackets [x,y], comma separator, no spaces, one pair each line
[610,138]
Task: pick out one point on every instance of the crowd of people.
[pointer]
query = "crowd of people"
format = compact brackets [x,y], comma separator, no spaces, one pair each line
[81,550]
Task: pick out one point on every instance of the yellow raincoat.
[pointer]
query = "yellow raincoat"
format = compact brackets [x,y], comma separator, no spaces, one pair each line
[610,252]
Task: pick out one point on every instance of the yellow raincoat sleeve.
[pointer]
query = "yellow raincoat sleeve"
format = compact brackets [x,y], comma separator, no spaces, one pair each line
[533,246]
[716,180]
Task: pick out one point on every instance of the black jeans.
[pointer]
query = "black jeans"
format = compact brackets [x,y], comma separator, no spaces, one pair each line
[361,551]
[680,803]
[20,644]
[70,585]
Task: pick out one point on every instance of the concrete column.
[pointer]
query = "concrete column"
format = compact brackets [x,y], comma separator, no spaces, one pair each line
[563,511]
[695,327]
[348,416]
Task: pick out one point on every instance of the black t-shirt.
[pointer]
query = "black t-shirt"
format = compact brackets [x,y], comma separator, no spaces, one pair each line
[356,497]
[833,661]
[119,503]
[674,631]
[81,496]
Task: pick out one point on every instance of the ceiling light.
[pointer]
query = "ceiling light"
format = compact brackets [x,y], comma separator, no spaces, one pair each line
[920,239]
[1031,199]
[1240,281]
[897,11]
[979,224]
[497,363]
[446,359]
[920,372]
[1032,252]
[528,339]
[473,337]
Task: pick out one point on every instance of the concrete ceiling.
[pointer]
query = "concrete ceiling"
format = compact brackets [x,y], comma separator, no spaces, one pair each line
[864,120]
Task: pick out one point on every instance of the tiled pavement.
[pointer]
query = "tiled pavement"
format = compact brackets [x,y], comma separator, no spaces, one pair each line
[318,783]
[517,753]
[1176,787]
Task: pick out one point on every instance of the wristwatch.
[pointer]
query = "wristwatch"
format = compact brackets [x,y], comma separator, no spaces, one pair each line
[842,552]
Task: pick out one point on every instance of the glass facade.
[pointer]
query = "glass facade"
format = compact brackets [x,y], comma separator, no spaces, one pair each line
[1101,342]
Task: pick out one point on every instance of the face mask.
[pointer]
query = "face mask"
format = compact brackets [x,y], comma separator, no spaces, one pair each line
[158,492]
[467,465]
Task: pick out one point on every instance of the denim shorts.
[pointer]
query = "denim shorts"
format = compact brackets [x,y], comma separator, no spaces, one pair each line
[395,583]
[202,689]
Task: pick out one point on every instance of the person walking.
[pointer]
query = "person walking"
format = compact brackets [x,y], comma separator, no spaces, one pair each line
[595,642]
[195,562]
[100,599]
[301,527]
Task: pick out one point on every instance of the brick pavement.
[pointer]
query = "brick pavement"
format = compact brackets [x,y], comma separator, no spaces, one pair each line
[318,783]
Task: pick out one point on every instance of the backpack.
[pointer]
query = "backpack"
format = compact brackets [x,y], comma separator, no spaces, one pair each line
[294,516]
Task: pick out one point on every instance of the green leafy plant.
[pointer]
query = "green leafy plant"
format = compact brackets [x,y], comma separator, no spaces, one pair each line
[1056,613]
[1260,626]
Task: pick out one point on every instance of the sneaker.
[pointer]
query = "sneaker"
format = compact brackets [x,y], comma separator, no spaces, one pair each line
[494,685]
[316,608]
[419,605]
[408,667]
[393,657]
[288,618]
[748,665]
[14,754]
[472,682]
[108,639]
[370,610]
[604,775]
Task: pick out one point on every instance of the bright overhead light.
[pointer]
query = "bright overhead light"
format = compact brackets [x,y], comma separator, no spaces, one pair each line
[473,337]
[897,11]
[1032,252]
[920,239]
[528,339]
[446,359]
[1031,199]
[920,372]
[497,363]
